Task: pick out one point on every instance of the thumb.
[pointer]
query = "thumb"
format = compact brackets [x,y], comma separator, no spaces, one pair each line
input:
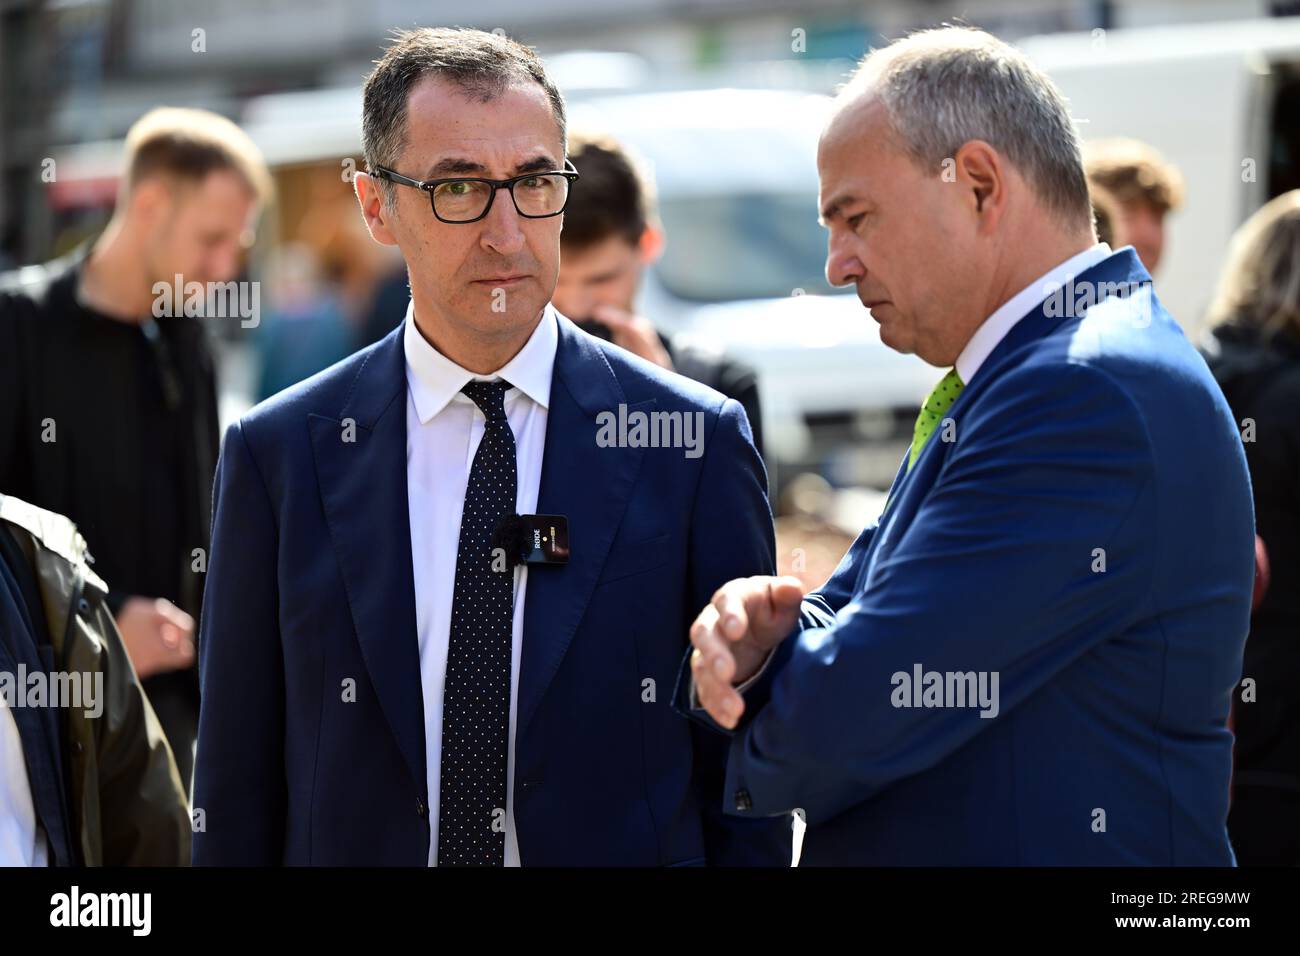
[175,616]
[776,609]
[785,592]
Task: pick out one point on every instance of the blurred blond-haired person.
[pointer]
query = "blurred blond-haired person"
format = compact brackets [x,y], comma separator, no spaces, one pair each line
[1145,188]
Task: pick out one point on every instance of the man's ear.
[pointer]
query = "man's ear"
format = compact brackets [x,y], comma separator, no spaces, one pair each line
[370,197]
[981,174]
[150,201]
[651,244]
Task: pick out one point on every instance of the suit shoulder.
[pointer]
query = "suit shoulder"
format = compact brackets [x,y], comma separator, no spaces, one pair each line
[1132,345]
[1059,388]
[325,393]
[642,380]
[52,533]
[26,290]
[1067,374]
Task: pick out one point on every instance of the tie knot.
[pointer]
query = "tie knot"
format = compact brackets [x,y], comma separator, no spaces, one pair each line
[943,395]
[940,399]
[490,397]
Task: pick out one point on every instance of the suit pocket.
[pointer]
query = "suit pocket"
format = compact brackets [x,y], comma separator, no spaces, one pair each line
[636,558]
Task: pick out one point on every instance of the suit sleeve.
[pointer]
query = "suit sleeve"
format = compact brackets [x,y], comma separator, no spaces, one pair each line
[239,770]
[997,573]
[820,607]
[742,385]
[731,537]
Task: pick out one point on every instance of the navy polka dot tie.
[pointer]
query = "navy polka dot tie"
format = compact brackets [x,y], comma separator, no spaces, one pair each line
[476,697]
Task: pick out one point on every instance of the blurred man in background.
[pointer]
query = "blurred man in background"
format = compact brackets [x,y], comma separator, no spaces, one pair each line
[1254,353]
[107,396]
[1145,189]
[611,234]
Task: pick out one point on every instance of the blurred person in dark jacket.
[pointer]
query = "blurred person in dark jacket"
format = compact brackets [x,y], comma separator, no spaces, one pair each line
[1145,187]
[1254,351]
[611,234]
[86,779]
[108,408]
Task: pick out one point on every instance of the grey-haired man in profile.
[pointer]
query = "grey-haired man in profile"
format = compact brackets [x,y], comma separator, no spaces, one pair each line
[1071,529]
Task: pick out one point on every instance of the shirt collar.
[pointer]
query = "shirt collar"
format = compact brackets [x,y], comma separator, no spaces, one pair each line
[997,325]
[434,380]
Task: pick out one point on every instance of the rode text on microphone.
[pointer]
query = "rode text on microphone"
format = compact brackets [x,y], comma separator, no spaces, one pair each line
[532,539]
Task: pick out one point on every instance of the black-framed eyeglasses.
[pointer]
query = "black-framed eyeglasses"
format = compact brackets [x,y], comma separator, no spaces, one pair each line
[462,199]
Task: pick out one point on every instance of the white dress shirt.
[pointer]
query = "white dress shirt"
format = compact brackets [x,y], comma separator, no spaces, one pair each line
[443,430]
[1002,321]
[986,338]
[21,841]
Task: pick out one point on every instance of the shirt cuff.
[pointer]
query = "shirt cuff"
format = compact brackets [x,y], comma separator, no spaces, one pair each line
[740,688]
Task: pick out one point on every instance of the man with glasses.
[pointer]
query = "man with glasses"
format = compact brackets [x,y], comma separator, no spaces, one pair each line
[464,199]
[384,681]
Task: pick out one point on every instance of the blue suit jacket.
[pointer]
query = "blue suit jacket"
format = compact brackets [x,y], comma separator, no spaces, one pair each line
[1088,536]
[310,584]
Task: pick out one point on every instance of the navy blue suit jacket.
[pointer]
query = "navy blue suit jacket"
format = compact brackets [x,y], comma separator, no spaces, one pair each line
[1087,535]
[310,584]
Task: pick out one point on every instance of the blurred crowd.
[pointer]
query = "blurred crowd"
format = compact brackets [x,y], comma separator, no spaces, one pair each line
[108,416]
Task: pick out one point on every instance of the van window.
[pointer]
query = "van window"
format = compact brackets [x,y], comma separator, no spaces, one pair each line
[1284,131]
[743,246]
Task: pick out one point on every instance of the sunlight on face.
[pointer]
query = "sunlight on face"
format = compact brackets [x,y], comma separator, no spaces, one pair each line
[901,234]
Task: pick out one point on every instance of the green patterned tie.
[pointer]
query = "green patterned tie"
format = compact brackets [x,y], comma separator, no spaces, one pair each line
[932,413]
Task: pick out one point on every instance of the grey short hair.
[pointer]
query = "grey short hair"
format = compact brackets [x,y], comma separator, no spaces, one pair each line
[482,64]
[943,88]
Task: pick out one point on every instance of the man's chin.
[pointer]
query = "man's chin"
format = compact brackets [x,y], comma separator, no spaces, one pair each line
[521,293]
[503,313]
[889,336]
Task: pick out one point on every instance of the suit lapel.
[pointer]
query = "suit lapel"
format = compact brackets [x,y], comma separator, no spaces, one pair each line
[363,490]
[589,485]
[1118,269]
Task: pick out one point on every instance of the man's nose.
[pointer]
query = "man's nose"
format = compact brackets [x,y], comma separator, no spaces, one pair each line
[225,263]
[842,264]
[501,232]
